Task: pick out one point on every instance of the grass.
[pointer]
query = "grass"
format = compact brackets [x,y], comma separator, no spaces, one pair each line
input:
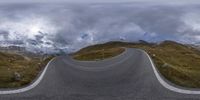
[99,54]
[178,63]
[27,67]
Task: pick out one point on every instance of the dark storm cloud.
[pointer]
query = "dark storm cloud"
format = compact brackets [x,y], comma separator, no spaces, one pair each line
[70,27]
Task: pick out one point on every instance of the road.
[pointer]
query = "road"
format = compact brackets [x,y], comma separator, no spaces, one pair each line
[129,76]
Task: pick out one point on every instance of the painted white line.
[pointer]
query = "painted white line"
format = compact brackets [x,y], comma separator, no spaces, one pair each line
[31,86]
[165,84]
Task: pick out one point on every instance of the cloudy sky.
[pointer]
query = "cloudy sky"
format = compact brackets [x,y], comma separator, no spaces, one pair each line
[100,1]
[71,26]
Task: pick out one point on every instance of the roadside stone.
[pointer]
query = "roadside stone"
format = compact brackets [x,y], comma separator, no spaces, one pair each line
[165,65]
[17,76]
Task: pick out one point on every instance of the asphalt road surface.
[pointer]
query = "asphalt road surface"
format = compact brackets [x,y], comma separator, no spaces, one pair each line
[129,76]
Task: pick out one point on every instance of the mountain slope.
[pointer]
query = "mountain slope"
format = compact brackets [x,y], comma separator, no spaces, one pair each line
[17,69]
[177,62]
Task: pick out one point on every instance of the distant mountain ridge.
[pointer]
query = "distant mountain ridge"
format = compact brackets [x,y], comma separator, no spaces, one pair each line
[21,49]
[13,48]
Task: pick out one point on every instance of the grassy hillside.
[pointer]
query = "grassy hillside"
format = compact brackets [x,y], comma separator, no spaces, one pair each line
[99,54]
[17,70]
[176,62]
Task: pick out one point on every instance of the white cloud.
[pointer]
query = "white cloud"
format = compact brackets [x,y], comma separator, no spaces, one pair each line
[51,27]
[192,21]
[28,28]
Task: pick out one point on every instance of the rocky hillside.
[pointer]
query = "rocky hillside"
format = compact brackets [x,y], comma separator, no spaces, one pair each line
[18,69]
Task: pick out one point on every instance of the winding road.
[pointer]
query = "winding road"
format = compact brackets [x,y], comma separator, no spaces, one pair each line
[128,76]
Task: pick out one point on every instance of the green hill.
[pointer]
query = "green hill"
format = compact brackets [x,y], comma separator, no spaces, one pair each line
[177,62]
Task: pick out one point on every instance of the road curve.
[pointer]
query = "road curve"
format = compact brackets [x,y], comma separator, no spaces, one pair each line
[129,76]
